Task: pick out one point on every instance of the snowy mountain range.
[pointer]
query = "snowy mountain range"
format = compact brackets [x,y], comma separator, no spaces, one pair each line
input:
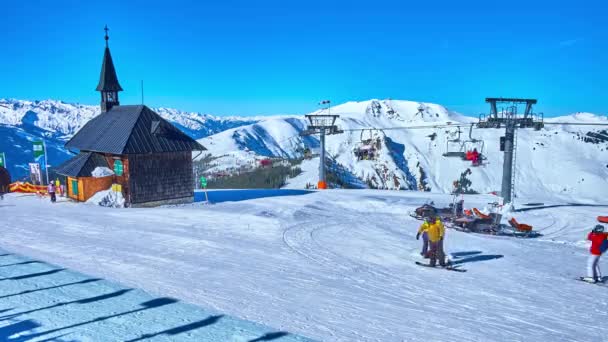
[22,122]
[561,159]
[564,160]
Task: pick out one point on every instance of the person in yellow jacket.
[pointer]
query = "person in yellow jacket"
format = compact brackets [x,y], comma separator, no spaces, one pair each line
[58,186]
[435,231]
[422,231]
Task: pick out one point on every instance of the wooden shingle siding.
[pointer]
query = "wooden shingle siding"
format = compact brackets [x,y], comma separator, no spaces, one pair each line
[92,185]
[160,176]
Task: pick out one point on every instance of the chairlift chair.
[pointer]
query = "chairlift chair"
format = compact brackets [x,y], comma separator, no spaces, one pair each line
[454,147]
[367,146]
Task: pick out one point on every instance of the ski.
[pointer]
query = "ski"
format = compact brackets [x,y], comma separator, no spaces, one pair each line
[447,268]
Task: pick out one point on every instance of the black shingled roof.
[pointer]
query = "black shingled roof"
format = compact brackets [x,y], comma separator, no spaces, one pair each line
[131,130]
[82,165]
[107,79]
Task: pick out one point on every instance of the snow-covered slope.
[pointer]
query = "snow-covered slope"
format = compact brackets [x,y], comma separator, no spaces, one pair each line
[560,159]
[274,137]
[330,265]
[54,121]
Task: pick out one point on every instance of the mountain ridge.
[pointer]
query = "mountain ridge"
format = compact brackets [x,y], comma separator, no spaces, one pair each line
[413,159]
[406,159]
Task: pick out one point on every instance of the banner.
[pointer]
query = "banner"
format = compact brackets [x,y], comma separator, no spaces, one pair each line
[27,188]
[2,160]
[35,174]
[39,154]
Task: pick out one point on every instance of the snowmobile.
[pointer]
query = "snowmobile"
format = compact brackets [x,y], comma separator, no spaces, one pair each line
[454,210]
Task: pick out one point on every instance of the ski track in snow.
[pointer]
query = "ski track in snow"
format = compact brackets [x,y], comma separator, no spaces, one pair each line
[332,266]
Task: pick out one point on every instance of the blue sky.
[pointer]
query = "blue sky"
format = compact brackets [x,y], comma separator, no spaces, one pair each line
[270,57]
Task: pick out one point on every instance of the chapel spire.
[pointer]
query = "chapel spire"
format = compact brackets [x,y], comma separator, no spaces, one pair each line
[108,82]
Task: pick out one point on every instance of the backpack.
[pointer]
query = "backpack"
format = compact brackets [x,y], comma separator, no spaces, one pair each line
[604,246]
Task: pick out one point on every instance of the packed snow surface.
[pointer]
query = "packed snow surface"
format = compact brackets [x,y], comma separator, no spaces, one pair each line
[336,265]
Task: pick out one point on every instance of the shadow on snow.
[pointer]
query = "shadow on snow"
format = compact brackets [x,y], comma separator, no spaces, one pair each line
[472,256]
[16,328]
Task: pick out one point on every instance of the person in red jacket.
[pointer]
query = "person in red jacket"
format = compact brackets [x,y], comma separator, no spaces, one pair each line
[475,157]
[597,238]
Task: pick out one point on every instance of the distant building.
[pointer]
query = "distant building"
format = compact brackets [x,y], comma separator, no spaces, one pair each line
[151,159]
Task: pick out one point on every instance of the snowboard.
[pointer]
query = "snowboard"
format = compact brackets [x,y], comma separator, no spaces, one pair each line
[447,268]
[600,283]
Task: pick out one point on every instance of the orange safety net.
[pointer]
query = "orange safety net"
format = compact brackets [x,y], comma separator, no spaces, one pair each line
[27,188]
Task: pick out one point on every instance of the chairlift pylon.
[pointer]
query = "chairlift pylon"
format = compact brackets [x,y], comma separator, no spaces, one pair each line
[421,110]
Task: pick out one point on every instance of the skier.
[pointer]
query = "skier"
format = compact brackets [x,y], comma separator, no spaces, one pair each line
[51,190]
[598,240]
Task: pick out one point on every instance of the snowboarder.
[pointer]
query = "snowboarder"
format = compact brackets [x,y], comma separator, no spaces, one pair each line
[598,242]
[51,190]
[435,232]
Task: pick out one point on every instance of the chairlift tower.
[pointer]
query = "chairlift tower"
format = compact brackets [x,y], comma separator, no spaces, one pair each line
[421,110]
[322,124]
[511,121]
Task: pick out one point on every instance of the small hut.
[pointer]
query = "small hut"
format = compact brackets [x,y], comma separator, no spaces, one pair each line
[82,180]
[131,149]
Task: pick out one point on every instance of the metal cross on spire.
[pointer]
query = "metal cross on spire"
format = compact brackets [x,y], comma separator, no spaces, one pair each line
[106,37]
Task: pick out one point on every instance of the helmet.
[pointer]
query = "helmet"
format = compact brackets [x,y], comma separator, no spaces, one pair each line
[598,229]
